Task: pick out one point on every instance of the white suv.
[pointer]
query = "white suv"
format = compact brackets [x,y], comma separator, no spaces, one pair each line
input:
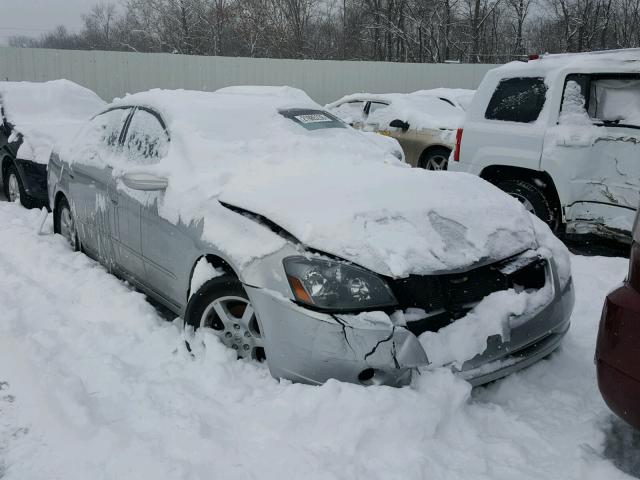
[562,134]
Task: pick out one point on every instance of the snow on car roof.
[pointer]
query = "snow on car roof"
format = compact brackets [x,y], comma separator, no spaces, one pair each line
[420,111]
[461,97]
[624,60]
[46,113]
[332,188]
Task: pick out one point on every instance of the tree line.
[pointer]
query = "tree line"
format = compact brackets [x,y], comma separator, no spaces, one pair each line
[473,31]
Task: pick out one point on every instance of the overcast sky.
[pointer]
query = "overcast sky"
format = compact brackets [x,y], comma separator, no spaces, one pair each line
[33,17]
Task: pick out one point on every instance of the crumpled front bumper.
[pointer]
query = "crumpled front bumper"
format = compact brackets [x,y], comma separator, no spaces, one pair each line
[311,347]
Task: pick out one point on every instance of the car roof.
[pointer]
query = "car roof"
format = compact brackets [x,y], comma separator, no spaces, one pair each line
[612,61]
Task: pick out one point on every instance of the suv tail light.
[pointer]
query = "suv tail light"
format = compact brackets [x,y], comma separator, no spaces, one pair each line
[633,277]
[456,150]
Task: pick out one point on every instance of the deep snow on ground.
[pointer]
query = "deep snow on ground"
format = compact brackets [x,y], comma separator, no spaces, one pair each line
[94,384]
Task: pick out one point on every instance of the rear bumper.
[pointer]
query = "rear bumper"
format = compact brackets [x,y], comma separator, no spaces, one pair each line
[617,354]
[312,347]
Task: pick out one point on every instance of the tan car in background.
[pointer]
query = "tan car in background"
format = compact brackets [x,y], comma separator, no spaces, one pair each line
[423,122]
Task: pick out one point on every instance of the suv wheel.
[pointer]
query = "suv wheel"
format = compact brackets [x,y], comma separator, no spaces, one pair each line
[532,198]
[222,305]
[436,159]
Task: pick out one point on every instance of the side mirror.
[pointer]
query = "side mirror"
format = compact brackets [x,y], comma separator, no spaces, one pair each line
[144,181]
[404,126]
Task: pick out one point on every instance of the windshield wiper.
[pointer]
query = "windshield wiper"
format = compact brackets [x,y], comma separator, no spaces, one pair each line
[616,123]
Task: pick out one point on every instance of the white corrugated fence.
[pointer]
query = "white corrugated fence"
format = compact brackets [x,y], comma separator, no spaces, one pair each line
[112,74]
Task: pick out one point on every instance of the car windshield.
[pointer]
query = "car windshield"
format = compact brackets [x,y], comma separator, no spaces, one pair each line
[312,119]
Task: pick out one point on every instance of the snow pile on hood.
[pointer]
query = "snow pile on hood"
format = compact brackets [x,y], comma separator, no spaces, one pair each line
[420,111]
[460,97]
[331,188]
[46,113]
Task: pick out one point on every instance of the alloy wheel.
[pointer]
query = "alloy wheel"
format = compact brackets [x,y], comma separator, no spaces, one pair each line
[234,321]
[437,162]
[13,188]
[67,227]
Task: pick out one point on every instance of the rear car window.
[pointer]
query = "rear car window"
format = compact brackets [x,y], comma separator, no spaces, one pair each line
[312,119]
[517,100]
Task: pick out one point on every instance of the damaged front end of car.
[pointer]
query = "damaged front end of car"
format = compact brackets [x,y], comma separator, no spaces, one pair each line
[344,322]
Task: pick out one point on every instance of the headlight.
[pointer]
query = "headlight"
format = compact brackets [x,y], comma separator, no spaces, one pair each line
[333,285]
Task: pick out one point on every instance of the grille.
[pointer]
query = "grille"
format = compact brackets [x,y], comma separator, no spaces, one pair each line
[448,297]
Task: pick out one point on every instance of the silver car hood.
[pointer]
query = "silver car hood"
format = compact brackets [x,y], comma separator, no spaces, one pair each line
[394,221]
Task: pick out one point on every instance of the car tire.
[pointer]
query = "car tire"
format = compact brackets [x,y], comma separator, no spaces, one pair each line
[64,224]
[435,159]
[221,304]
[14,188]
[532,198]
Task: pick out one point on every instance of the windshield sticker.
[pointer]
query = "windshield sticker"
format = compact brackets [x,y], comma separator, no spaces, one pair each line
[313,118]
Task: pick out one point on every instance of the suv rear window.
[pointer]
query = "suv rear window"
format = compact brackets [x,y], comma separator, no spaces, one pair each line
[517,100]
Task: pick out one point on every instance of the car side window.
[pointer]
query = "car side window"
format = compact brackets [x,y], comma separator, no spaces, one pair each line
[147,140]
[373,106]
[350,112]
[108,126]
[517,100]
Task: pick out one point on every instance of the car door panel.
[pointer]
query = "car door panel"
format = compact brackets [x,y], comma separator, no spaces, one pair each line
[145,144]
[165,247]
[127,238]
[90,180]
[598,163]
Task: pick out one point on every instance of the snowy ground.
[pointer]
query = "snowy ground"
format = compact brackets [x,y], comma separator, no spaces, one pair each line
[95,384]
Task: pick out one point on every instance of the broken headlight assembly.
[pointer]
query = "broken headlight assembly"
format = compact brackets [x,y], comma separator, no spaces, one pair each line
[338,286]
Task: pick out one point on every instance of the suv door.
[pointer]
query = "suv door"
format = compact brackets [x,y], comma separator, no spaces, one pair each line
[90,180]
[595,151]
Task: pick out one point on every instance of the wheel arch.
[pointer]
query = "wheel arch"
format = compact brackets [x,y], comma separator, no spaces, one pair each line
[215,261]
[6,160]
[496,173]
[56,202]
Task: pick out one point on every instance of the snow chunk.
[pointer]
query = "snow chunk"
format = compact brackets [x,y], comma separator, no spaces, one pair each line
[202,273]
[467,337]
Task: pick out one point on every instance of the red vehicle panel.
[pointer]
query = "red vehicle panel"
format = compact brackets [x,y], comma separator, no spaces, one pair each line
[618,347]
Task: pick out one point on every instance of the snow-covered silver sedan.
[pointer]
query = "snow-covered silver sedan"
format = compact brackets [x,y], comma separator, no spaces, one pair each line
[255,213]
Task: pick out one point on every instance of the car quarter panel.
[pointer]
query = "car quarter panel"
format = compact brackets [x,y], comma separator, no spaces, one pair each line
[618,351]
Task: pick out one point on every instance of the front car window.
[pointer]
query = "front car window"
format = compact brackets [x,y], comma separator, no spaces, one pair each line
[147,140]
[350,112]
[108,126]
[373,106]
[517,100]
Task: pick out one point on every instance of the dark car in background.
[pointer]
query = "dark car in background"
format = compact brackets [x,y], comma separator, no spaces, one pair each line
[34,116]
[618,346]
